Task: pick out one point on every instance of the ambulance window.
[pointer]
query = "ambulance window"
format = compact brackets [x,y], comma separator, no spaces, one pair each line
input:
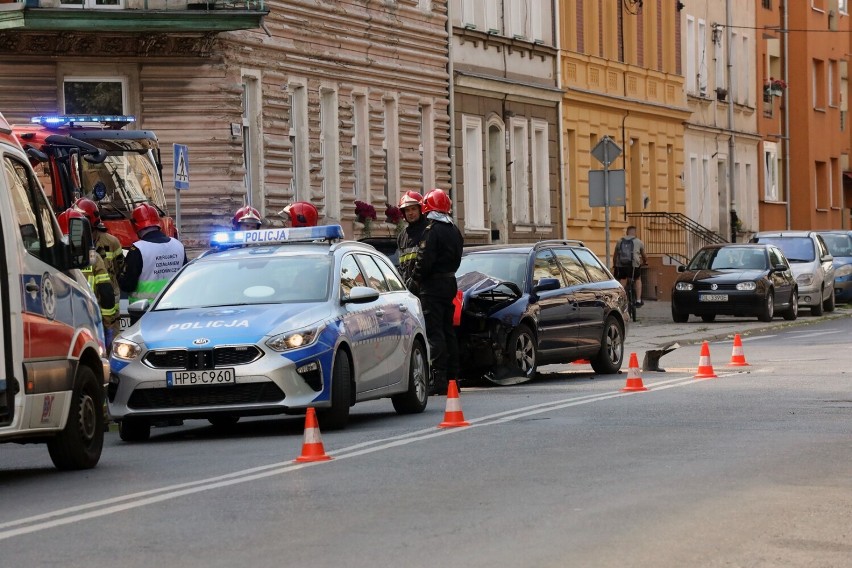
[34,216]
[394,282]
[375,278]
[350,275]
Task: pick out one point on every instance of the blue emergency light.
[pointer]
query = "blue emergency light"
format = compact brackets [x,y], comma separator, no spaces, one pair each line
[58,120]
[277,236]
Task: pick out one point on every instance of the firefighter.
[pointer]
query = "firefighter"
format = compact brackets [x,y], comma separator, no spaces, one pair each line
[96,273]
[300,214]
[246,219]
[109,249]
[407,241]
[439,254]
[152,260]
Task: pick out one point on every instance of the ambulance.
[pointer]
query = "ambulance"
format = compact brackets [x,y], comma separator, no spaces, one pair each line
[52,350]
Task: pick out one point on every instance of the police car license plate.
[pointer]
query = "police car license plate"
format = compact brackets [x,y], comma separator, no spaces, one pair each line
[713,298]
[190,378]
[123,322]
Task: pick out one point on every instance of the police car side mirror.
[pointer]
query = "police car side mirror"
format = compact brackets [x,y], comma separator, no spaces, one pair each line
[137,309]
[79,242]
[361,295]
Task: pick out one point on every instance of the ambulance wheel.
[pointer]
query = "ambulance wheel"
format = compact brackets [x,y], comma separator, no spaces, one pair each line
[79,444]
[413,401]
[336,417]
[134,429]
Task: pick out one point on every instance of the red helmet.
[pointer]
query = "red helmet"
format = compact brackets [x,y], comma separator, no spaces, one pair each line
[302,214]
[410,198]
[144,216]
[437,200]
[246,216]
[90,209]
[63,217]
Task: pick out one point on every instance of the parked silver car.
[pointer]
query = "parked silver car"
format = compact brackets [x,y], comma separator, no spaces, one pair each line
[812,265]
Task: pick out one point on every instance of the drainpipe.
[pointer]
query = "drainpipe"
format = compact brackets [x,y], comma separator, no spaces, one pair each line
[785,127]
[451,110]
[563,216]
[732,180]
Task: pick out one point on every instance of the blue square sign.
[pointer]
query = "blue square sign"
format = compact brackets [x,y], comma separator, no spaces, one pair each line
[181,167]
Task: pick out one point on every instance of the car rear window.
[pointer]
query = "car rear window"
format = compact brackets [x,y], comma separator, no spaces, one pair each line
[796,249]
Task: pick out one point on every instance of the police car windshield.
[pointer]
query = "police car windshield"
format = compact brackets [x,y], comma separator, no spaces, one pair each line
[248,281]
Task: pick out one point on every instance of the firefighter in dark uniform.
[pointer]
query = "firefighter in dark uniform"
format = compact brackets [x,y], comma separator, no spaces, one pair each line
[434,281]
[408,240]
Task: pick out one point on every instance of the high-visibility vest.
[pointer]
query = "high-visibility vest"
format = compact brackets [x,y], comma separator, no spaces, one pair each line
[96,274]
[160,262]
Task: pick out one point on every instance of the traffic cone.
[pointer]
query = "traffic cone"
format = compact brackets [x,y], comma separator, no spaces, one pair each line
[737,356]
[312,449]
[634,380]
[453,416]
[705,368]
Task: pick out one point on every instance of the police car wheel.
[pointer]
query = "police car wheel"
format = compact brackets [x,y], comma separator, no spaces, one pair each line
[413,401]
[79,444]
[337,416]
[134,430]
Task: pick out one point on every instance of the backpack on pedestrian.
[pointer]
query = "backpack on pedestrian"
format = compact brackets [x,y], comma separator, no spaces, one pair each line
[624,252]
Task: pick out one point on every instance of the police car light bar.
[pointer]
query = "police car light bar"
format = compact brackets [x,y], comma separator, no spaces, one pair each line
[277,236]
[57,120]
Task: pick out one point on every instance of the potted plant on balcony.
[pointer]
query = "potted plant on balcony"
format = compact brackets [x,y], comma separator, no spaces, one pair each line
[774,87]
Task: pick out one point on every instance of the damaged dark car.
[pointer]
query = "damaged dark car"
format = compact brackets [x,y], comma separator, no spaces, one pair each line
[531,305]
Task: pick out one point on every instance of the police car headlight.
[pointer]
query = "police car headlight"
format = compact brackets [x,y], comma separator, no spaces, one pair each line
[294,339]
[683,286]
[124,349]
[746,286]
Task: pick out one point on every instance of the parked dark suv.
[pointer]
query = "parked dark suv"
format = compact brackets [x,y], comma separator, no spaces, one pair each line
[536,304]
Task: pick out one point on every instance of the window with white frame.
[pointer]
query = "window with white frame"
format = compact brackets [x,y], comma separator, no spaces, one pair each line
[832,70]
[361,146]
[92,4]
[474,197]
[253,140]
[94,95]
[540,160]
[721,64]
[473,14]
[390,145]
[701,64]
[770,171]
[519,18]
[843,6]
[734,48]
[330,151]
[427,145]
[300,184]
[493,18]
[745,91]
[691,50]
[519,158]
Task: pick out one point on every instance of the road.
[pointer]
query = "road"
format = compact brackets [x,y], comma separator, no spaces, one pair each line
[749,469]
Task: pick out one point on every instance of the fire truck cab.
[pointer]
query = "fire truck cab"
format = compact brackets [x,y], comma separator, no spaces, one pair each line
[94,156]
[53,368]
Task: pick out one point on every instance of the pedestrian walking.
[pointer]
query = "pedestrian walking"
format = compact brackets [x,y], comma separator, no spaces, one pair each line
[439,254]
[628,257]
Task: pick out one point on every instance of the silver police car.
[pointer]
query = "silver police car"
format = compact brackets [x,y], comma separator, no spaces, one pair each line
[269,322]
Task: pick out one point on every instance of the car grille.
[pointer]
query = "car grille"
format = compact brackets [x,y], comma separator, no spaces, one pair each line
[183,397]
[202,358]
[704,287]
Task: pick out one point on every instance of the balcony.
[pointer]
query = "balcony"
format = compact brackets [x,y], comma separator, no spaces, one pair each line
[177,16]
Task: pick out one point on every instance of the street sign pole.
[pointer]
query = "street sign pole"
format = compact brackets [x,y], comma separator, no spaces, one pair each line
[606,201]
[181,176]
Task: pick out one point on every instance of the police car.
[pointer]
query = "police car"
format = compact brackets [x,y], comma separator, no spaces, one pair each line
[268,322]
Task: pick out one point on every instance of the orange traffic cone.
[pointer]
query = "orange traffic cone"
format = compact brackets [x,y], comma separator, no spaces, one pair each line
[312,449]
[634,380]
[453,416]
[705,368]
[737,356]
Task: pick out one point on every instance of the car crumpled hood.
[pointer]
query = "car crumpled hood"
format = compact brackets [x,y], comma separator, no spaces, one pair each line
[229,324]
[721,276]
[485,295]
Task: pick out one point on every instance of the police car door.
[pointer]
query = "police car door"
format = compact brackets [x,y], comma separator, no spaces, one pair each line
[362,328]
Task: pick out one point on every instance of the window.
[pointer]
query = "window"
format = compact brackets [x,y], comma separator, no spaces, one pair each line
[519,18]
[701,64]
[253,141]
[427,146]
[374,277]
[94,95]
[34,217]
[519,157]
[99,4]
[843,6]
[770,171]
[744,92]
[394,283]
[300,184]
[361,147]
[350,275]
[819,82]
[547,267]
[721,64]
[691,50]
[390,146]
[593,266]
[832,73]
[818,5]
[540,160]
[574,272]
[330,152]
[474,199]
[734,58]
[472,10]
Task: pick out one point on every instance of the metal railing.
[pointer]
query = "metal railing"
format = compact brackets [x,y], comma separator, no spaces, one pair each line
[672,235]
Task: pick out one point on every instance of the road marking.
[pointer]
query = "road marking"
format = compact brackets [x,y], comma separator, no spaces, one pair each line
[818,333]
[122,503]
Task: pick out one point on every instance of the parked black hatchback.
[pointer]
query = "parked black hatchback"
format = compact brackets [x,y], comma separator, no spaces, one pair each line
[536,304]
[735,280]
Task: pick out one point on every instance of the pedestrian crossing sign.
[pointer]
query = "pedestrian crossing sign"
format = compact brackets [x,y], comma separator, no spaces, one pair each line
[181,167]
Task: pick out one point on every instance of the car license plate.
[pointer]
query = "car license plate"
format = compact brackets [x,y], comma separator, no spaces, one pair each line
[190,378]
[123,322]
[713,298]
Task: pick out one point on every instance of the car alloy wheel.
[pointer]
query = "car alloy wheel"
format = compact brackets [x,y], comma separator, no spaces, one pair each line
[611,355]
[523,350]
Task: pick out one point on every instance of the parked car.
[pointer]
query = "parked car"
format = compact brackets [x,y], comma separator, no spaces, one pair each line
[812,265]
[535,304]
[839,244]
[298,319]
[735,280]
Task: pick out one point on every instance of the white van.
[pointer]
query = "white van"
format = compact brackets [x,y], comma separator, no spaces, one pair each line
[52,352]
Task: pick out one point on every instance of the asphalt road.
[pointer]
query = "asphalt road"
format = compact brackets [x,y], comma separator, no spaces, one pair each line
[748,469]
